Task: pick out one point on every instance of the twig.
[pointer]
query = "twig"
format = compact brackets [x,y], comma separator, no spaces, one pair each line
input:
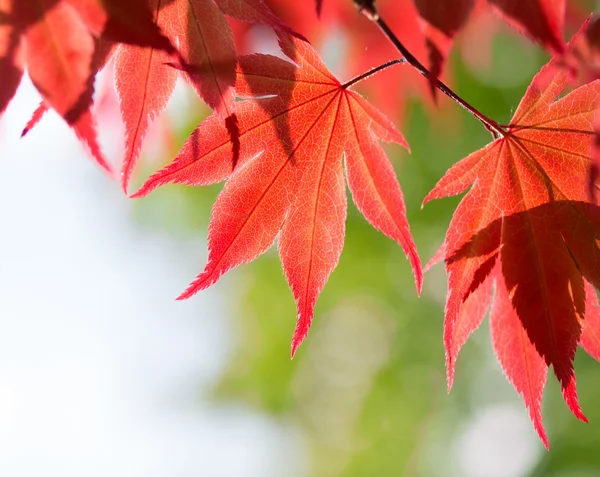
[367,8]
[365,75]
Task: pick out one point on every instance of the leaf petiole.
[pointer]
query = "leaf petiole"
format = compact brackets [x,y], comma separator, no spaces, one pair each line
[372,71]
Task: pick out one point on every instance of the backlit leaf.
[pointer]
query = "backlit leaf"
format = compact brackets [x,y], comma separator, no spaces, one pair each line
[286,175]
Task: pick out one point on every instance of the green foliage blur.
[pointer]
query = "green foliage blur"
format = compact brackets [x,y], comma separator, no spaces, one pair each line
[367,389]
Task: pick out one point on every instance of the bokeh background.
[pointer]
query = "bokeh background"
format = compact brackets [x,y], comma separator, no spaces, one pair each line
[103,373]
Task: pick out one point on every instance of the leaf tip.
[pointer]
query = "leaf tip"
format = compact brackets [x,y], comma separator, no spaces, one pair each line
[143,191]
[572,401]
[296,342]
[449,373]
[124,177]
[438,257]
[428,198]
[535,415]
[415,263]
[419,280]
[545,441]
[538,425]
[301,331]
[192,289]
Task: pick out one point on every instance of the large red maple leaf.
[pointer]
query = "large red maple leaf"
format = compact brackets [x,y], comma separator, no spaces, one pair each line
[528,225]
[286,174]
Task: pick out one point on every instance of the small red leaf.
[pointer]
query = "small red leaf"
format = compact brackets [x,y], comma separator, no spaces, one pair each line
[36,117]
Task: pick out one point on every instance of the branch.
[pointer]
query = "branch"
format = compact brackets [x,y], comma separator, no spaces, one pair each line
[367,8]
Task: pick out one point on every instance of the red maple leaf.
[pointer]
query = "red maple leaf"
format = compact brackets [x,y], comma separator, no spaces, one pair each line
[288,173]
[528,225]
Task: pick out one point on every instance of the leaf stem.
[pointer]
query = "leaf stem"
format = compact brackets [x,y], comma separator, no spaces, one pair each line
[367,8]
[373,71]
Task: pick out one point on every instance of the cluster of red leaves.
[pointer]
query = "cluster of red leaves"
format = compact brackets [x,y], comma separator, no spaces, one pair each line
[526,237]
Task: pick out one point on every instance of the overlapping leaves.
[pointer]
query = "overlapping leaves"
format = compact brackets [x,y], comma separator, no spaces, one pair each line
[63,44]
[145,78]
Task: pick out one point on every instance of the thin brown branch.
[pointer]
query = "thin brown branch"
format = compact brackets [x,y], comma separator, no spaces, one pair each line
[367,8]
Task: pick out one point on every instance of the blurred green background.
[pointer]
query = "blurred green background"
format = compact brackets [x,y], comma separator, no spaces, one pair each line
[366,391]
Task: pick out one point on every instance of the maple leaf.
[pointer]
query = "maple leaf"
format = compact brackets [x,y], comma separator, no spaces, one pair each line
[529,226]
[288,179]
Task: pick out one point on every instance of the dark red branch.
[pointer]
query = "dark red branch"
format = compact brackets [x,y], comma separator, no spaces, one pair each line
[367,8]
[365,75]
